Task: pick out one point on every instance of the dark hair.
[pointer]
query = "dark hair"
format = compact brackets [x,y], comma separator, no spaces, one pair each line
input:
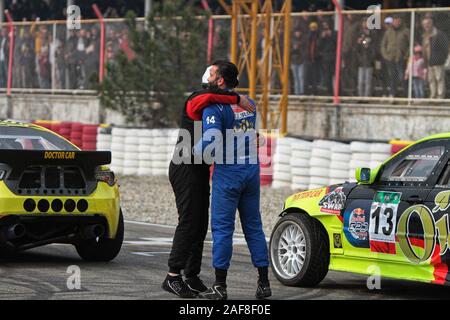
[228,71]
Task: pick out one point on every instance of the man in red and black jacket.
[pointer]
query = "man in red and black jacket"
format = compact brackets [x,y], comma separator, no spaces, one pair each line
[190,183]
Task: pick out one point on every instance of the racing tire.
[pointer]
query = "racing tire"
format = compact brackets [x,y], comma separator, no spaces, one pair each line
[379,157]
[301,154]
[283,150]
[323,144]
[306,147]
[281,167]
[321,153]
[343,157]
[315,248]
[296,171]
[339,165]
[341,148]
[299,163]
[104,249]
[90,129]
[380,148]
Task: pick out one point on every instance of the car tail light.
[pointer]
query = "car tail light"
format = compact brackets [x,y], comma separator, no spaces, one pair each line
[106,176]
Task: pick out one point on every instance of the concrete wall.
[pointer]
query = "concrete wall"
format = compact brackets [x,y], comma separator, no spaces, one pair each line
[364,121]
[319,120]
[80,108]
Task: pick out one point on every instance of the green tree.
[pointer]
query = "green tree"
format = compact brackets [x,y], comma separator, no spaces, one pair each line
[169,56]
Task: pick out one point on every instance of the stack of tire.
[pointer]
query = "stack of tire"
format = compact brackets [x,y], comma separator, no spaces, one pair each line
[118,149]
[54,126]
[341,155]
[131,159]
[145,152]
[282,164]
[104,138]
[89,137]
[320,163]
[48,124]
[265,153]
[360,157]
[300,157]
[397,145]
[64,128]
[378,153]
[160,147]
[76,134]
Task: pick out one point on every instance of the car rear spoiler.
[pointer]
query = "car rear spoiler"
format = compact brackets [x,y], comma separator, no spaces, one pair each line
[88,160]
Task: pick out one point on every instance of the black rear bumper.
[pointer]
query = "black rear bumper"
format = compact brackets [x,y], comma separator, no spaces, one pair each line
[45,229]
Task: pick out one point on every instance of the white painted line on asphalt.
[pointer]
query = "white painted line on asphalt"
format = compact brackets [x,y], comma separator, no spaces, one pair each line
[169,227]
[149,254]
[160,241]
[150,224]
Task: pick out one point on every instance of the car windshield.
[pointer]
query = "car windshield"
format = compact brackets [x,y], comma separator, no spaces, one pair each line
[416,166]
[25,138]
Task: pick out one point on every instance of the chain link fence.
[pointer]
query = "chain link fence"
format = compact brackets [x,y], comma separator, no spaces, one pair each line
[405,56]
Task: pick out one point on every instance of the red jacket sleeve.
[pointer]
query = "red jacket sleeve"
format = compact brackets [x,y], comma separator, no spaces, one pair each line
[197,103]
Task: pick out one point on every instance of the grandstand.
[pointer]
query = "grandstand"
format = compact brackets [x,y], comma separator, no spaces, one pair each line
[394,81]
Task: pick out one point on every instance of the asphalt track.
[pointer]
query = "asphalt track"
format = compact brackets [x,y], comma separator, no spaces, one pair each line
[137,273]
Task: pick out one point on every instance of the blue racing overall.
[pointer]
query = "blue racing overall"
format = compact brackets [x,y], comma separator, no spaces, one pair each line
[229,135]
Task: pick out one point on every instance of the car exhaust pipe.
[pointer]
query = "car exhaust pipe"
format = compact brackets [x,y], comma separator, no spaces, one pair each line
[93,231]
[14,231]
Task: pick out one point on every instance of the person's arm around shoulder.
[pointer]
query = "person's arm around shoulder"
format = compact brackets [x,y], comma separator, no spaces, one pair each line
[199,100]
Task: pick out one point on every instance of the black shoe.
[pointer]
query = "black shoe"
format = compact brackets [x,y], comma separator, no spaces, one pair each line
[216,292]
[263,290]
[177,286]
[195,284]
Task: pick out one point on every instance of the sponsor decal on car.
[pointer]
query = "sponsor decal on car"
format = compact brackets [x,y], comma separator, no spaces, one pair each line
[383,219]
[333,202]
[59,155]
[356,222]
[308,194]
[337,240]
[436,232]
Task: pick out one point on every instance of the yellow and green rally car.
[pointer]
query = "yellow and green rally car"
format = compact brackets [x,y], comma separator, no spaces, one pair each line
[394,222]
[51,192]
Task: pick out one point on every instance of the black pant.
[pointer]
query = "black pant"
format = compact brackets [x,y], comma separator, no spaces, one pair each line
[190,183]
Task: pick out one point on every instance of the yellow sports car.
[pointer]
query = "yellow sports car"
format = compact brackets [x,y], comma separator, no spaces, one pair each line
[51,192]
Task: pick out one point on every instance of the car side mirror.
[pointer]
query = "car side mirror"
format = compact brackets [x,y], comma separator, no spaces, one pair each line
[363,175]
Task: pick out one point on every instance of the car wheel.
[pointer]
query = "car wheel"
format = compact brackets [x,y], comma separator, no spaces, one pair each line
[299,250]
[102,249]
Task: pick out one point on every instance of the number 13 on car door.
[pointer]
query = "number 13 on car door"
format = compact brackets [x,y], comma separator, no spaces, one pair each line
[383,216]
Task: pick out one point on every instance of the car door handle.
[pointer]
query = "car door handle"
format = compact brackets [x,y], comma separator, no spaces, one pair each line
[414,199]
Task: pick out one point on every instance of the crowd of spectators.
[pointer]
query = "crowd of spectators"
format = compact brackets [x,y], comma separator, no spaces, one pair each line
[45,58]
[372,59]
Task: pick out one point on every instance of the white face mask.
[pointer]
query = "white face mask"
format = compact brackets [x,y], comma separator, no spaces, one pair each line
[205,77]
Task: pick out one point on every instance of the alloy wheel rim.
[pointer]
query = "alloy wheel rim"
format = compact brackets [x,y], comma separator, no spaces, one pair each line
[288,250]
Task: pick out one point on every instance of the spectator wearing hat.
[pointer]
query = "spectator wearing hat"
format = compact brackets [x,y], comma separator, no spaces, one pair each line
[394,50]
[417,65]
[435,50]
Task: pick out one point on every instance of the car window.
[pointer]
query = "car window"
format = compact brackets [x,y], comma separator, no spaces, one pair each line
[24,138]
[416,165]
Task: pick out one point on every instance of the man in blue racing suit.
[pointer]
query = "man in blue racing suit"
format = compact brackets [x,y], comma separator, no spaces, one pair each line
[230,142]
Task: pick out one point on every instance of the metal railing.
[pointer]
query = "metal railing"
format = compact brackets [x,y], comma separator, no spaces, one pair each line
[405,59]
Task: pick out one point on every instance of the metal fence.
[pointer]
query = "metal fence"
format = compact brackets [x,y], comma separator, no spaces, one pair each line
[406,57]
